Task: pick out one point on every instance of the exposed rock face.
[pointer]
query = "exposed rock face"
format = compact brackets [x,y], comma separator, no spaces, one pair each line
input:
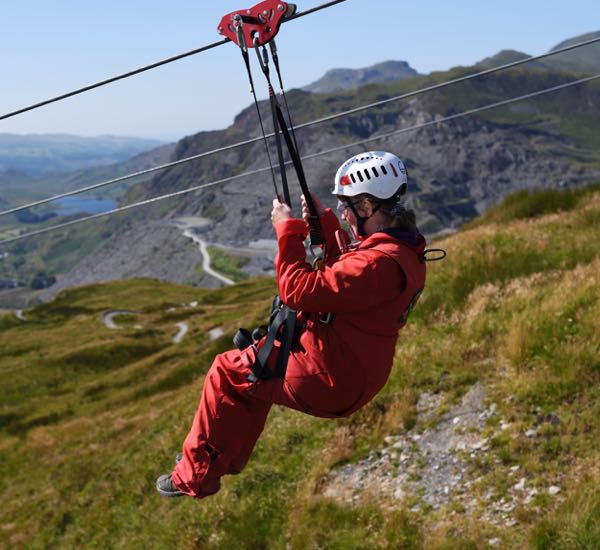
[156,250]
[456,170]
[434,464]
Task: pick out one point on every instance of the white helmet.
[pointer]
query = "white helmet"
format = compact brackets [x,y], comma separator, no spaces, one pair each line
[377,173]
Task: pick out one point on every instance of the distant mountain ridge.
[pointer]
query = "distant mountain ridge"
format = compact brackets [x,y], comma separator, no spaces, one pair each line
[17,188]
[336,80]
[582,60]
[40,154]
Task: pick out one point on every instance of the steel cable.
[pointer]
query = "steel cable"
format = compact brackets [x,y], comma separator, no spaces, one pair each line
[303,125]
[307,157]
[149,67]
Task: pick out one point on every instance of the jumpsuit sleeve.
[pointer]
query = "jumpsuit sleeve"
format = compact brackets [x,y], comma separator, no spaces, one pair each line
[357,281]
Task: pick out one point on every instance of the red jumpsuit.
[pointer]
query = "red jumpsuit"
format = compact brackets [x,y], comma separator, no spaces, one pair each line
[336,369]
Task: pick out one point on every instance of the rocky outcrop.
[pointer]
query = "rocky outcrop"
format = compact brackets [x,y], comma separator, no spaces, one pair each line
[436,463]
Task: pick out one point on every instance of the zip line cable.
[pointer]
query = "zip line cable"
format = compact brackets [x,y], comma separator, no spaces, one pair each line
[113,79]
[151,66]
[304,125]
[307,157]
[446,83]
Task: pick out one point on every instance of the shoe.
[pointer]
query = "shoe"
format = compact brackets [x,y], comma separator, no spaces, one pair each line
[166,487]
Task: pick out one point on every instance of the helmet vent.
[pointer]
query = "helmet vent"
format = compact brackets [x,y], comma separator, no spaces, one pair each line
[367,174]
[383,170]
[360,176]
[352,178]
[375,172]
[394,170]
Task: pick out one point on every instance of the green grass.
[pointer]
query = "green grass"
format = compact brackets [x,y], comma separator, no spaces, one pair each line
[576,524]
[89,417]
[228,264]
[514,250]
[530,204]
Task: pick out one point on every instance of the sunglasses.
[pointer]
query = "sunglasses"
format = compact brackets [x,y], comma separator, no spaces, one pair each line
[342,206]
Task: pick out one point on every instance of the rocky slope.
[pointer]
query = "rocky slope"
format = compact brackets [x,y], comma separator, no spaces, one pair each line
[437,460]
[457,169]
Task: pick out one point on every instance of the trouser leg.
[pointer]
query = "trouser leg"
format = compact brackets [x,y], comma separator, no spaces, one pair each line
[225,428]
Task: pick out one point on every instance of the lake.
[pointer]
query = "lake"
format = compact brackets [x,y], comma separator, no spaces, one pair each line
[88,205]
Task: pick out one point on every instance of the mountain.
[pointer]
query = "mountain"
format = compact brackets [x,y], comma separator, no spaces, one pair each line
[39,154]
[457,169]
[18,188]
[583,60]
[12,185]
[502,58]
[58,255]
[486,434]
[336,80]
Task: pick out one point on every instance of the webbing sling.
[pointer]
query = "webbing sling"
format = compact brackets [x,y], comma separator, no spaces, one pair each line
[282,327]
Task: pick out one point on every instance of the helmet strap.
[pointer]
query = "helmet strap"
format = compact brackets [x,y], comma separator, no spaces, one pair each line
[361,220]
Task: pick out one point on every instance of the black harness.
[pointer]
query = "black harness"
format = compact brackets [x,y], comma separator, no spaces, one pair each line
[283,327]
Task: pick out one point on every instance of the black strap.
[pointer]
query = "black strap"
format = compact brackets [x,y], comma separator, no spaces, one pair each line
[316,231]
[281,125]
[276,130]
[244,49]
[283,322]
[264,65]
[286,344]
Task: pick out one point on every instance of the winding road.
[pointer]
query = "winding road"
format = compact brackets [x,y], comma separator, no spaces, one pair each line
[183,328]
[203,247]
[108,317]
[189,225]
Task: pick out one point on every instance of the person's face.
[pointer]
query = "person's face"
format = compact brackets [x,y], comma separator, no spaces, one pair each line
[347,214]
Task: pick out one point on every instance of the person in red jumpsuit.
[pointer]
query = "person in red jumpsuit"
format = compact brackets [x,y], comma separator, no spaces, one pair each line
[350,312]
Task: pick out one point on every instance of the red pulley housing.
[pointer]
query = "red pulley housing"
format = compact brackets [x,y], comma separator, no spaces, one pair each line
[261,21]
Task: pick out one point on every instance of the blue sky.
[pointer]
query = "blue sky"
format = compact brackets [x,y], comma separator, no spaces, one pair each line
[52,47]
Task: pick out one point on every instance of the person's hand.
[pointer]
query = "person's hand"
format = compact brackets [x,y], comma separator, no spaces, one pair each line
[306,213]
[280,212]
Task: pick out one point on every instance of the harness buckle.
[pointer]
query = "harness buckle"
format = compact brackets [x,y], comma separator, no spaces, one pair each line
[326,318]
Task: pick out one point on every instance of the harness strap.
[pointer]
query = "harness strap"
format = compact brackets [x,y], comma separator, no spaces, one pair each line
[286,344]
[282,326]
[264,64]
[241,41]
[280,125]
[314,223]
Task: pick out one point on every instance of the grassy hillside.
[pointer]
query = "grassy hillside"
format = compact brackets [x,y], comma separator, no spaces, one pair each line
[91,416]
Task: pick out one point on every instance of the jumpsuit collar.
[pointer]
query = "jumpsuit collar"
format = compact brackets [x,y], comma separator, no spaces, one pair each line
[412,239]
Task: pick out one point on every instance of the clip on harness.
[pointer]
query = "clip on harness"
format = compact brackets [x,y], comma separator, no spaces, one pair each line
[255,27]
